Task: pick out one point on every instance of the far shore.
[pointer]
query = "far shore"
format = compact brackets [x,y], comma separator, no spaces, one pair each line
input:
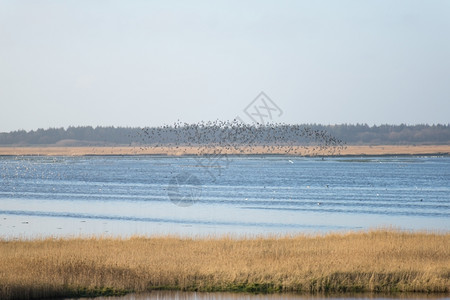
[352,150]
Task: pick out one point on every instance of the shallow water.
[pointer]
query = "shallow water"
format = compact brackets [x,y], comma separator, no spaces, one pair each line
[41,196]
[163,295]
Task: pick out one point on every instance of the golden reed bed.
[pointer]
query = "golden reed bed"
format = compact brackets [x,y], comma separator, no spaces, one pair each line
[349,150]
[374,261]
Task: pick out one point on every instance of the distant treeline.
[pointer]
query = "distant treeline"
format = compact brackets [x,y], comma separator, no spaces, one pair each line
[359,134]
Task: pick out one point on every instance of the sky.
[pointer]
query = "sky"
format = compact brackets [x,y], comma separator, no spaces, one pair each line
[149,63]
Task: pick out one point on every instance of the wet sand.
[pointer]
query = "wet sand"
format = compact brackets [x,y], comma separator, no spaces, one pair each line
[177,151]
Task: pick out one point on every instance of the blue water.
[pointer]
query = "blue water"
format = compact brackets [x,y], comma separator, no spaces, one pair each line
[41,196]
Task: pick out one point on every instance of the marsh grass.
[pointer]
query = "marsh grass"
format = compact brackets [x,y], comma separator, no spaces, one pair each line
[375,261]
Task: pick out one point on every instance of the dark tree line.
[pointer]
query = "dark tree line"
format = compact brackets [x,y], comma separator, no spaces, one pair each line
[390,134]
[81,135]
[359,134]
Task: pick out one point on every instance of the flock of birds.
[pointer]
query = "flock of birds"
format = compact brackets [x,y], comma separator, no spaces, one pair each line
[235,137]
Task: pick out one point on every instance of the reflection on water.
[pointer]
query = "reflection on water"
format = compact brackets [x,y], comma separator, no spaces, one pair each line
[166,295]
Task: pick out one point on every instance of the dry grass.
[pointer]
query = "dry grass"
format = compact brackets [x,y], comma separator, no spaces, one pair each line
[349,150]
[375,261]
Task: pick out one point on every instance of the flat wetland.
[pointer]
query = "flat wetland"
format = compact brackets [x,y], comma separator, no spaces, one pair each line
[88,224]
[376,261]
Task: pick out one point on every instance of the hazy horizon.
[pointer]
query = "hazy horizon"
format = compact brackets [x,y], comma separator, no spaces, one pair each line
[172,124]
[148,63]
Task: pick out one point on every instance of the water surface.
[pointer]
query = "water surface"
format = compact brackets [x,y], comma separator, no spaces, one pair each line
[125,195]
[163,295]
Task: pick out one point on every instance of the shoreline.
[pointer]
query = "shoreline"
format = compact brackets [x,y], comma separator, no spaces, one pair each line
[379,150]
[376,261]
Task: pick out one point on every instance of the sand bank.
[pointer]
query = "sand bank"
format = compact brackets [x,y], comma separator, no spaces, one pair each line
[347,151]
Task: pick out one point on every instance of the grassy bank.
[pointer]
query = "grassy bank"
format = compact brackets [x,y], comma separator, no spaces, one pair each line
[376,261]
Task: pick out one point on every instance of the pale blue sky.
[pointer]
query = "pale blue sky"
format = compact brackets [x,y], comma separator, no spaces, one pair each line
[144,63]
